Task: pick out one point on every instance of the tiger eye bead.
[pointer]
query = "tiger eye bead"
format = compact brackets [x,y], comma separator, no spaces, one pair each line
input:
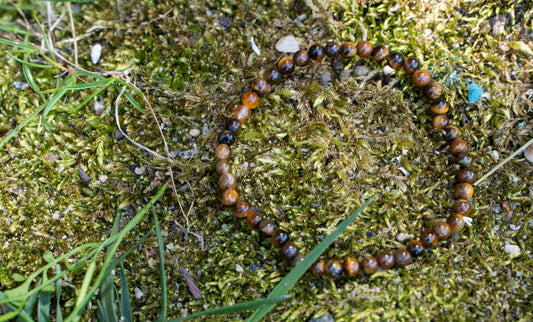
[260,86]
[415,247]
[229,197]
[380,53]
[402,257]
[429,238]
[462,207]
[242,209]
[458,146]
[334,268]
[332,49]
[234,126]
[289,251]
[316,52]
[466,175]
[222,166]
[421,78]
[266,227]
[464,191]
[253,219]
[464,160]
[411,65]
[385,260]
[395,60]
[273,75]
[301,58]
[364,49]
[442,230]
[227,181]
[351,266]
[432,90]
[439,106]
[250,99]
[286,65]
[279,238]
[440,121]
[348,50]
[226,137]
[222,152]
[451,133]
[456,222]
[369,265]
[319,267]
[242,113]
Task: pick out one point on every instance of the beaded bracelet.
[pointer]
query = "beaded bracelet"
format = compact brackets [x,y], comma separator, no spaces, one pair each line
[280,238]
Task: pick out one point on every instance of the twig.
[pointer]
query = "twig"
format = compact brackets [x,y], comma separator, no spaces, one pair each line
[161,16]
[73,30]
[28,26]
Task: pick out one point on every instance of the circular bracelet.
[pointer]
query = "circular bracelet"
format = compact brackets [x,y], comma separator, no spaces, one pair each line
[350,266]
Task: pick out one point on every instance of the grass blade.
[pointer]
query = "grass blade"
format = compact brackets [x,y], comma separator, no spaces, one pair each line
[125,304]
[162,276]
[59,313]
[43,308]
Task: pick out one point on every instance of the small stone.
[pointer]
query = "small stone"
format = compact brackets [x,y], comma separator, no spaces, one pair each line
[188,154]
[495,155]
[20,85]
[98,107]
[401,237]
[528,153]
[224,226]
[139,170]
[325,78]
[85,178]
[51,157]
[512,249]
[96,53]
[224,21]
[194,132]
[498,25]
[239,268]
[387,70]
[337,65]
[361,71]
[287,44]
[324,318]
[118,134]
[56,215]
[102,178]
[138,293]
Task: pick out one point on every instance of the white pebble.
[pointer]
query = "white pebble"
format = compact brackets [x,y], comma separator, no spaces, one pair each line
[387,70]
[494,155]
[239,269]
[102,178]
[96,53]
[401,237]
[194,132]
[528,153]
[512,249]
[138,293]
[287,44]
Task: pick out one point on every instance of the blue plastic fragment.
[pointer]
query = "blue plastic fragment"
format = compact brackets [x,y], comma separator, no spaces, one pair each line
[474,93]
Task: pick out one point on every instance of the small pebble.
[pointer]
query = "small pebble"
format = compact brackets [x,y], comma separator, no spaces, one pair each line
[474,93]
[528,153]
[287,44]
[387,70]
[239,269]
[188,154]
[324,318]
[20,85]
[138,293]
[98,107]
[325,78]
[194,132]
[495,155]
[85,178]
[401,237]
[139,170]
[118,134]
[361,71]
[512,249]
[102,178]
[96,53]
[224,22]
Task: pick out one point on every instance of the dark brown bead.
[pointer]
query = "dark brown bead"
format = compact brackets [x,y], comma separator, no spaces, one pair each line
[222,166]
[369,265]
[456,222]
[286,65]
[380,53]
[462,207]
[226,137]
[466,175]
[432,90]
[348,50]
[229,197]
[421,78]
[411,65]
[301,58]
[266,227]
[464,160]
[451,133]
[385,260]
[351,266]
[253,219]
[222,152]
[458,146]
[442,230]
[429,238]
[415,247]
[334,268]
[260,86]
[242,113]
[316,52]
[464,191]
[279,238]
[402,257]
[227,181]
[233,125]
[289,251]
[440,121]
[439,106]
[273,75]
[242,209]
[332,49]
[319,267]
[364,49]
[395,60]
[250,99]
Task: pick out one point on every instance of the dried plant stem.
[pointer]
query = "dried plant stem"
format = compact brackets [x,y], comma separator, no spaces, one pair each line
[73,30]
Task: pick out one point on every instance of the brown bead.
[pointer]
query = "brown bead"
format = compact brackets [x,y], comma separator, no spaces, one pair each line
[462,207]
[415,247]
[266,227]
[432,90]
[411,65]
[458,146]
[316,52]
[369,265]
[242,209]
[402,257]
[385,260]
[279,238]
[227,181]
[273,75]
[421,78]
[466,175]
[333,268]
[234,125]
[242,113]
[456,222]
[319,267]
[364,49]
[440,121]
[286,65]
[351,266]
[222,166]
[253,219]
[464,191]
[451,133]
[380,53]
[395,60]
[332,49]
[222,152]
[442,230]
[439,106]
[289,251]
[348,50]
[464,160]
[250,99]
[429,238]
[301,58]
[260,86]
[229,197]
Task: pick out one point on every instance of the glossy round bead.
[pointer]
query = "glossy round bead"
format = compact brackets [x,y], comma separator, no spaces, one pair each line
[222,166]
[229,197]
[458,146]
[273,75]
[301,58]
[411,65]
[316,52]
[369,265]
[442,230]
[432,90]
[222,151]
[385,260]
[421,78]
[429,238]
[464,160]
[266,227]
[462,207]
[319,267]
[286,65]
[289,251]
[439,106]
[253,219]
[451,133]
[464,191]
[456,222]
[466,175]
[242,113]
[395,60]
[348,50]
[233,125]
[279,238]
[364,49]
[226,137]
[242,209]
[415,247]
[260,86]
[380,53]
[227,181]
[332,49]
[250,99]
[440,121]
[351,266]
[402,257]
[334,268]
